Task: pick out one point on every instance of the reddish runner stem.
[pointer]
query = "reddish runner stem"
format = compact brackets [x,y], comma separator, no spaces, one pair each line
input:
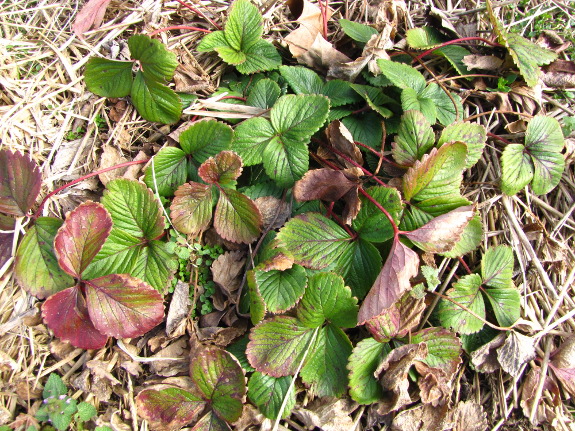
[396,230]
[82,178]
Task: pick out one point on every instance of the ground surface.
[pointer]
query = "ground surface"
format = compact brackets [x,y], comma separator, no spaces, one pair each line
[46,112]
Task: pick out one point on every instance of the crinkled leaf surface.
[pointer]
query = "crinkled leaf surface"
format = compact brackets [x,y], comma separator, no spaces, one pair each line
[66,314]
[206,138]
[20,181]
[220,380]
[36,268]
[278,345]
[444,231]
[325,368]
[237,217]
[191,209]
[268,393]
[264,94]
[414,138]
[465,292]
[314,240]
[155,101]
[168,171]
[223,169]
[170,408]
[122,306]
[392,282]
[472,135]
[412,100]
[327,298]
[281,290]
[81,237]
[363,362]
[108,78]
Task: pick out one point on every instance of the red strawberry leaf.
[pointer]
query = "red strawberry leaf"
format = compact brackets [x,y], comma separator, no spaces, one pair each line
[191,209]
[20,181]
[123,306]
[392,282]
[66,314]
[325,184]
[169,408]
[222,169]
[6,238]
[81,237]
[237,217]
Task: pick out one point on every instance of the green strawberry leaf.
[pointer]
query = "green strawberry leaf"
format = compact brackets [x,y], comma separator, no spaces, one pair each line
[339,93]
[257,303]
[191,209]
[264,94]
[168,170]
[220,380]
[154,101]
[359,266]
[81,237]
[108,78]
[411,100]
[237,217]
[544,142]
[455,54]
[371,224]
[472,135]
[268,394]
[211,422]
[36,267]
[506,304]
[375,98]
[260,57]
[173,408]
[517,169]
[302,80]
[402,75]
[314,240]
[243,28]
[527,55]
[155,264]
[414,138]
[157,63]
[432,184]
[423,37]
[250,139]
[281,290]
[443,348]
[20,182]
[205,139]
[327,298]
[465,292]
[497,267]
[358,32]
[123,306]
[446,113]
[364,388]
[325,368]
[278,345]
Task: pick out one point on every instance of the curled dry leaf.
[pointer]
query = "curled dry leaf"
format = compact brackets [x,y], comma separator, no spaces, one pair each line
[424,417]
[227,271]
[469,416]
[392,282]
[516,350]
[324,184]
[544,412]
[441,233]
[328,414]
[483,62]
[398,320]
[274,211]
[340,139]
[179,310]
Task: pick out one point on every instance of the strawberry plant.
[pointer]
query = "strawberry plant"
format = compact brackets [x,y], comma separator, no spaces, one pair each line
[153,99]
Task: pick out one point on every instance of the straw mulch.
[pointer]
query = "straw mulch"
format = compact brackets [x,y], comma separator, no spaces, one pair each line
[46,112]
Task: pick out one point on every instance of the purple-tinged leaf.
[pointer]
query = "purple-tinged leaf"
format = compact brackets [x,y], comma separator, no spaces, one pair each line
[220,380]
[191,209]
[237,217]
[123,306]
[211,422]
[20,181]
[277,345]
[6,238]
[36,268]
[66,314]
[222,169]
[170,408]
[441,233]
[81,237]
[398,320]
[325,184]
[392,282]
